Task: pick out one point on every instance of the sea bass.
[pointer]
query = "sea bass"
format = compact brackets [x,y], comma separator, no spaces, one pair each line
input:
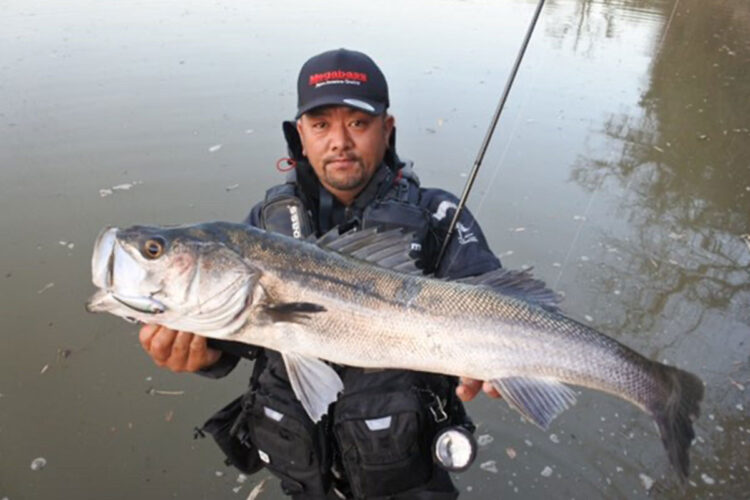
[357,299]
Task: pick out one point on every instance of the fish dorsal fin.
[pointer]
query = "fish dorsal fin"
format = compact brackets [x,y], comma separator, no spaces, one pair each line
[539,400]
[520,284]
[388,249]
[315,384]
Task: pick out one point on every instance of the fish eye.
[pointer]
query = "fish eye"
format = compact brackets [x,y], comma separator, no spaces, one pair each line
[154,247]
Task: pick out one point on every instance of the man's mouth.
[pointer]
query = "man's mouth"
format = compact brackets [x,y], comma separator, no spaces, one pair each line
[345,162]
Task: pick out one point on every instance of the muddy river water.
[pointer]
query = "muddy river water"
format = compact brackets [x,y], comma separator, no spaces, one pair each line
[620,171]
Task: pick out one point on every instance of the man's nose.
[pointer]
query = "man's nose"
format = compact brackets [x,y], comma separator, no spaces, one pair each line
[340,137]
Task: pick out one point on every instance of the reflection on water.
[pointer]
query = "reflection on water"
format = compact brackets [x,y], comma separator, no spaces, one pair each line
[683,167]
[619,170]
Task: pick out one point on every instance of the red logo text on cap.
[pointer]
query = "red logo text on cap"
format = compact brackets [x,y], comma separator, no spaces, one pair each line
[338,76]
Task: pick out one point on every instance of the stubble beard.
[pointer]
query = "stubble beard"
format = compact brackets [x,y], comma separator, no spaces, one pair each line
[346,181]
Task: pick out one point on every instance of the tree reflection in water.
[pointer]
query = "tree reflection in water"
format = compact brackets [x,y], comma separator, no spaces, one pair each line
[684,170]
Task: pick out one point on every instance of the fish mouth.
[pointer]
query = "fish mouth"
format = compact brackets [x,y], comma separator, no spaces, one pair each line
[102,262]
[145,305]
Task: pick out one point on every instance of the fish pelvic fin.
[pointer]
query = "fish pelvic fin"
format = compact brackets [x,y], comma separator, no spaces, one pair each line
[675,414]
[540,400]
[315,383]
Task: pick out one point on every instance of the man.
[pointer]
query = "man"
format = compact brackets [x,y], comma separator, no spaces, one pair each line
[375,440]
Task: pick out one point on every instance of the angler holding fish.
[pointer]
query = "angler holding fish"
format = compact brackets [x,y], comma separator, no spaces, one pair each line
[347,175]
[359,336]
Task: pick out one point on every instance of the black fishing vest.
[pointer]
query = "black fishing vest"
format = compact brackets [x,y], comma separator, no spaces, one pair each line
[343,453]
[393,202]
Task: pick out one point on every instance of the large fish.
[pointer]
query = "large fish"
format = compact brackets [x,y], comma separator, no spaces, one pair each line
[358,300]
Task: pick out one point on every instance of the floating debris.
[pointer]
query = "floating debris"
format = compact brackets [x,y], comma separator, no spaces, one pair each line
[44,369]
[646,481]
[169,416]
[556,264]
[585,258]
[249,131]
[554,438]
[257,490]
[214,148]
[67,244]
[740,407]
[241,478]
[511,453]
[519,229]
[579,217]
[528,443]
[431,130]
[547,471]
[219,473]
[440,122]
[746,237]
[237,489]
[484,440]
[38,463]
[506,254]
[489,466]
[104,192]
[157,392]
[45,288]
[588,318]
[707,479]
[232,187]
[658,149]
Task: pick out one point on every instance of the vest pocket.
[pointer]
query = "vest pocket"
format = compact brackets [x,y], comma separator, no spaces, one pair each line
[286,442]
[382,441]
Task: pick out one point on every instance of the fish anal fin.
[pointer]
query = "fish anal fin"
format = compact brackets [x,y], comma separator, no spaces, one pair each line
[315,383]
[540,400]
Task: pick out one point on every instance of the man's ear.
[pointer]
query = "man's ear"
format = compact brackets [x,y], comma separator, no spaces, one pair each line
[388,123]
[301,136]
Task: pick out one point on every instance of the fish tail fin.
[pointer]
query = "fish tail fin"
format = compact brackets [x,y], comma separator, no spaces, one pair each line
[675,415]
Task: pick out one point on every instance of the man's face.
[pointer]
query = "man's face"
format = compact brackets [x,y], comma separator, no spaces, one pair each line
[344,147]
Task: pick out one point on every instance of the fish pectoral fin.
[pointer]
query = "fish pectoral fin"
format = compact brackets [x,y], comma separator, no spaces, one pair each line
[291,312]
[539,400]
[315,383]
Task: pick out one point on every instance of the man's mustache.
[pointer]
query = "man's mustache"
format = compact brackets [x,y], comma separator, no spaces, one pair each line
[330,159]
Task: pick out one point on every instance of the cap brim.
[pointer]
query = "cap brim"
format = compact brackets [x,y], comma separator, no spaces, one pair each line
[373,108]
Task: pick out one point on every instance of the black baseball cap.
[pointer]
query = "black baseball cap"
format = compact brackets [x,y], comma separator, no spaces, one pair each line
[341,78]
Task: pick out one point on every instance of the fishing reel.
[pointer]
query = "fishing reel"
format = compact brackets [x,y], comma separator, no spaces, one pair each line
[454,449]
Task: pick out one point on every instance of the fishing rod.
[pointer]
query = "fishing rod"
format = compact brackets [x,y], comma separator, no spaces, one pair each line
[488,135]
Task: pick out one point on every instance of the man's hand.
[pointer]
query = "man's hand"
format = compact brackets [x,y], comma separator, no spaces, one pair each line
[469,387]
[177,351]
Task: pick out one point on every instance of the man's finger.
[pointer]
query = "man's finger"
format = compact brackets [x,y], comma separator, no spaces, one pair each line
[201,355]
[490,390]
[178,358]
[161,345]
[468,389]
[145,334]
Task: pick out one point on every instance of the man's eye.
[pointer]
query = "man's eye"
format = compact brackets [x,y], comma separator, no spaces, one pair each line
[359,123]
[319,125]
